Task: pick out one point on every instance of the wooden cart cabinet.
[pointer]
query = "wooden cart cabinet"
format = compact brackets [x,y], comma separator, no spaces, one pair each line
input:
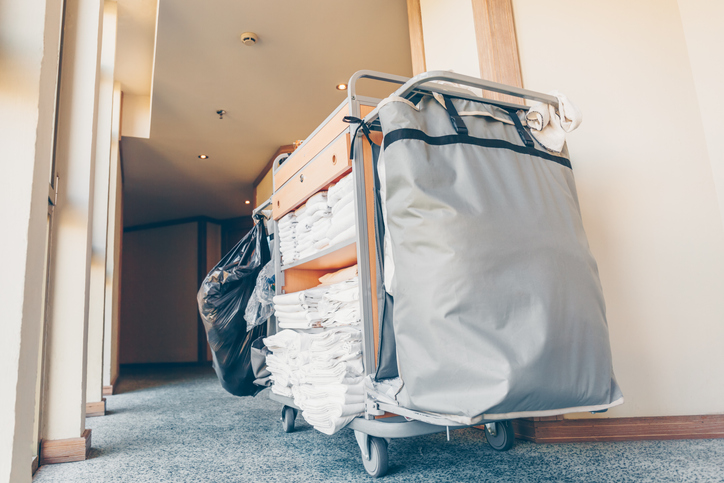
[320,161]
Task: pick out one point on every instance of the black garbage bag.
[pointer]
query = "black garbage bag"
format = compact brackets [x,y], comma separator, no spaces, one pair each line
[222,299]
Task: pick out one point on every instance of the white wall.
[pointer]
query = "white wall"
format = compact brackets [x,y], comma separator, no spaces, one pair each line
[703,23]
[645,182]
[66,342]
[449,34]
[102,160]
[28,71]
[136,116]
[114,249]
[158,295]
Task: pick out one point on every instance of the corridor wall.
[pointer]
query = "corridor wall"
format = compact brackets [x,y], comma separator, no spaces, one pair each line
[646,175]
[158,299]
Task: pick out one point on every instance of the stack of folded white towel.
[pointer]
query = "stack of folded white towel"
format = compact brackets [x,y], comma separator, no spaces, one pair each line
[287,227]
[322,369]
[284,347]
[314,219]
[340,199]
[339,306]
[326,219]
[299,310]
[322,372]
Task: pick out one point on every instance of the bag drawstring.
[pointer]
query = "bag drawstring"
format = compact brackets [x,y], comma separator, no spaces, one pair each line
[365,130]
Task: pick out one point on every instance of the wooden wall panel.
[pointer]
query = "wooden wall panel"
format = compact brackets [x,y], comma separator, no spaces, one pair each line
[497,45]
[417,42]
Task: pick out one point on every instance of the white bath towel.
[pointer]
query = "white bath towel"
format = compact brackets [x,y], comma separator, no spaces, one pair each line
[337,192]
[340,224]
[549,124]
[344,201]
[348,234]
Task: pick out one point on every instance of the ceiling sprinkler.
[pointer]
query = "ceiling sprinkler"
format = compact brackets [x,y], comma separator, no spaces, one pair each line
[221,113]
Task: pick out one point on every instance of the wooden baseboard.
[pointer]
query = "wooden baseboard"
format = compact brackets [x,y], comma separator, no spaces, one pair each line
[108,390]
[34,465]
[549,430]
[65,450]
[93,409]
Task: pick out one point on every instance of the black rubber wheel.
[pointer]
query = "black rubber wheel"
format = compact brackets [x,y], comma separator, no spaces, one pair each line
[288,417]
[504,436]
[376,466]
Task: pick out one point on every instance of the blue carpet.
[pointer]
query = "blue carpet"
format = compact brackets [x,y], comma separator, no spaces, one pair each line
[176,424]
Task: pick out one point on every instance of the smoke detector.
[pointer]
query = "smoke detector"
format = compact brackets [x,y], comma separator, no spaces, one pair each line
[249,38]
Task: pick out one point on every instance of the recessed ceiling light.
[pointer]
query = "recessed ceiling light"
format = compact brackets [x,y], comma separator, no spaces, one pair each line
[341,87]
[203,156]
[247,202]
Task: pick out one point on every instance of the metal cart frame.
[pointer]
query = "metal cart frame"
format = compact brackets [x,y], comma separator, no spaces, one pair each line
[373,434]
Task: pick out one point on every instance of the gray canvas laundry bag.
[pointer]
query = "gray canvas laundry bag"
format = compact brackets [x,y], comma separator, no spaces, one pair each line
[498,308]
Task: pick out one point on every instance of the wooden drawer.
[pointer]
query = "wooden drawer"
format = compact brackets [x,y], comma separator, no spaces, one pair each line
[327,166]
[332,128]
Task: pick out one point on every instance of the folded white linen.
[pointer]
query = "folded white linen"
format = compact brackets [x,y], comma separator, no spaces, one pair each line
[305,239]
[311,210]
[345,352]
[331,390]
[319,228]
[328,308]
[324,407]
[343,212]
[301,315]
[287,219]
[318,374]
[339,225]
[328,338]
[308,252]
[282,391]
[318,197]
[302,396]
[338,191]
[318,215]
[325,420]
[348,234]
[289,308]
[344,201]
[282,339]
[343,316]
[297,324]
[339,276]
[304,297]
[549,124]
[321,244]
[304,244]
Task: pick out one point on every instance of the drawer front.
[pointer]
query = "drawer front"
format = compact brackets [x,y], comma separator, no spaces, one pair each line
[327,166]
[333,128]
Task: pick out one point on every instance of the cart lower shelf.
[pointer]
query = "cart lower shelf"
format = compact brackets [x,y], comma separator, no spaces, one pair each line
[373,435]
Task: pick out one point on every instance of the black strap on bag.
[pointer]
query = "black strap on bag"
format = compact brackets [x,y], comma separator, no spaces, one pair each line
[524,135]
[365,130]
[462,130]
[455,118]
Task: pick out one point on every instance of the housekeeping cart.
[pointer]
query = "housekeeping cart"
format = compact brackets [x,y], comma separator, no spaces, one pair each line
[497,310]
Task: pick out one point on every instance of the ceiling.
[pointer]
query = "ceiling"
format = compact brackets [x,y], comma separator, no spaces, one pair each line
[274,93]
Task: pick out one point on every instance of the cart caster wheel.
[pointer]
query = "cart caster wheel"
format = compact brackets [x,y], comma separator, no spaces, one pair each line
[503,436]
[288,417]
[376,466]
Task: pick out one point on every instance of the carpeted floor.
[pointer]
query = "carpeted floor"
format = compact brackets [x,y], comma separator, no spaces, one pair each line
[176,424]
